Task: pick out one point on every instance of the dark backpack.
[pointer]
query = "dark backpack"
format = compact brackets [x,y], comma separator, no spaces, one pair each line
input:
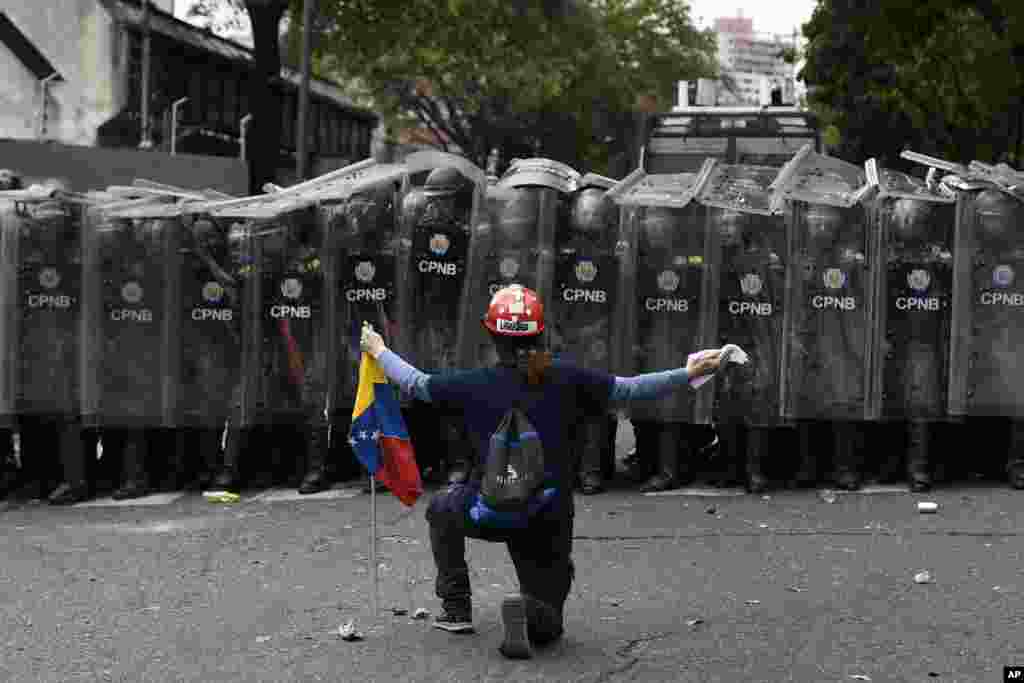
[513,473]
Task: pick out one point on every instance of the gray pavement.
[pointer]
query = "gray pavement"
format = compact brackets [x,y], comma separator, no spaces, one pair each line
[787,587]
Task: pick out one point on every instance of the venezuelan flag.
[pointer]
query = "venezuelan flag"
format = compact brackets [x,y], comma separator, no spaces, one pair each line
[379,437]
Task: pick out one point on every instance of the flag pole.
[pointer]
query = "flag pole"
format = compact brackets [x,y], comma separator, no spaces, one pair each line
[373,541]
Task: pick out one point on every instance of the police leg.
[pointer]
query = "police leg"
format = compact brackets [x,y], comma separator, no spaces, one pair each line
[590,440]
[38,458]
[228,476]
[315,479]
[206,447]
[918,467]
[134,473]
[845,452]
[724,469]
[666,445]
[542,555]
[458,447]
[757,482]
[640,463]
[427,428]
[1015,456]
[611,429]
[8,467]
[807,471]
[78,477]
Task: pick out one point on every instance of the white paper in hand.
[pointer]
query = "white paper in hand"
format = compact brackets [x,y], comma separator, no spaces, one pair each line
[730,353]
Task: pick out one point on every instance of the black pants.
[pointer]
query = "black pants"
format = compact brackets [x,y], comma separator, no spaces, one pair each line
[540,552]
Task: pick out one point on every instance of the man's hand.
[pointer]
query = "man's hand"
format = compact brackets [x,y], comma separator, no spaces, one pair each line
[704,365]
[371,342]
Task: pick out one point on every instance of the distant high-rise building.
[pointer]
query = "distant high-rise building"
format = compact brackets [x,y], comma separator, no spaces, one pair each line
[754,63]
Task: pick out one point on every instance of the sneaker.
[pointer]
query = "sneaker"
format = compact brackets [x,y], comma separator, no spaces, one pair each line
[517,639]
[454,620]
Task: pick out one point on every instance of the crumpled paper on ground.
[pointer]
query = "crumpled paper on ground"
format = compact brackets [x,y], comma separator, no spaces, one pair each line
[730,353]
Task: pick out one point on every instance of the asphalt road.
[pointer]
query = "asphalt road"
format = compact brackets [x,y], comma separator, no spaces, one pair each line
[669,588]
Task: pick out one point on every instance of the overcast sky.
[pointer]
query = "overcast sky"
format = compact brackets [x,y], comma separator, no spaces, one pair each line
[770,16]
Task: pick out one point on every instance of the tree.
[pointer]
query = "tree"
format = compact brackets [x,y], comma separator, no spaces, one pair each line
[943,77]
[559,78]
[264,132]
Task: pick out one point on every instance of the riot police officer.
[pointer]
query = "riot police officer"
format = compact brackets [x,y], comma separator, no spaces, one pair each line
[436,227]
[211,346]
[586,278]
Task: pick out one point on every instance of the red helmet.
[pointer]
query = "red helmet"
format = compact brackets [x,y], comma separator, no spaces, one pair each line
[515,311]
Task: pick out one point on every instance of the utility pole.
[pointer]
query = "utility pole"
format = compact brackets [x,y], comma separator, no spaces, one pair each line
[302,133]
[146,138]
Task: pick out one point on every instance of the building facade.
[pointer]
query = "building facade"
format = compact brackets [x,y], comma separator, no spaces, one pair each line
[71,72]
[754,63]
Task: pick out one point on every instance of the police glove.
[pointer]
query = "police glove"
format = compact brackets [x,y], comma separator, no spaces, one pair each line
[371,342]
[705,365]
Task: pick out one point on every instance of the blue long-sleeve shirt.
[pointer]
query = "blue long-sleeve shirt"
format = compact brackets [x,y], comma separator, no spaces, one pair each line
[623,390]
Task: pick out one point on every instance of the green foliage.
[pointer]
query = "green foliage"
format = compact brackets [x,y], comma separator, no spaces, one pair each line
[942,77]
[557,78]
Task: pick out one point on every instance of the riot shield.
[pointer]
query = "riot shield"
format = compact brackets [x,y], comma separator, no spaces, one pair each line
[363,231]
[828,307]
[41,288]
[131,284]
[663,302]
[987,355]
[748,287]
[436,221]
[912,228]
[582,323]
[586,277]
[210,315]
[283,334]
[515,243]
[287,263]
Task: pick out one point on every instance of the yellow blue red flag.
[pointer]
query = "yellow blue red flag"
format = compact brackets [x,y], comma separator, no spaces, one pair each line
[378,435]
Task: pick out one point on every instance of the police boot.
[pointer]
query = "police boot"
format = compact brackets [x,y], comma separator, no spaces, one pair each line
[1015,456]
[316,479]
[756,480]
[666,477]
[1015,472]
[211,456]
[133,467]
[806,475]
[845,450]
[8,468]
[37,447]
[638,462]
[724,467]
[591,445]
[76,485]
[918,477]
[228,478]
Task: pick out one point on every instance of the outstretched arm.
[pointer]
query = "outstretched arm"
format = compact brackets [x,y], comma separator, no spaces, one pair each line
[659,384]
[405,376]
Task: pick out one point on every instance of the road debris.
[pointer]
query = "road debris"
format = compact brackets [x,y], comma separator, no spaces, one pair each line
[348,632]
